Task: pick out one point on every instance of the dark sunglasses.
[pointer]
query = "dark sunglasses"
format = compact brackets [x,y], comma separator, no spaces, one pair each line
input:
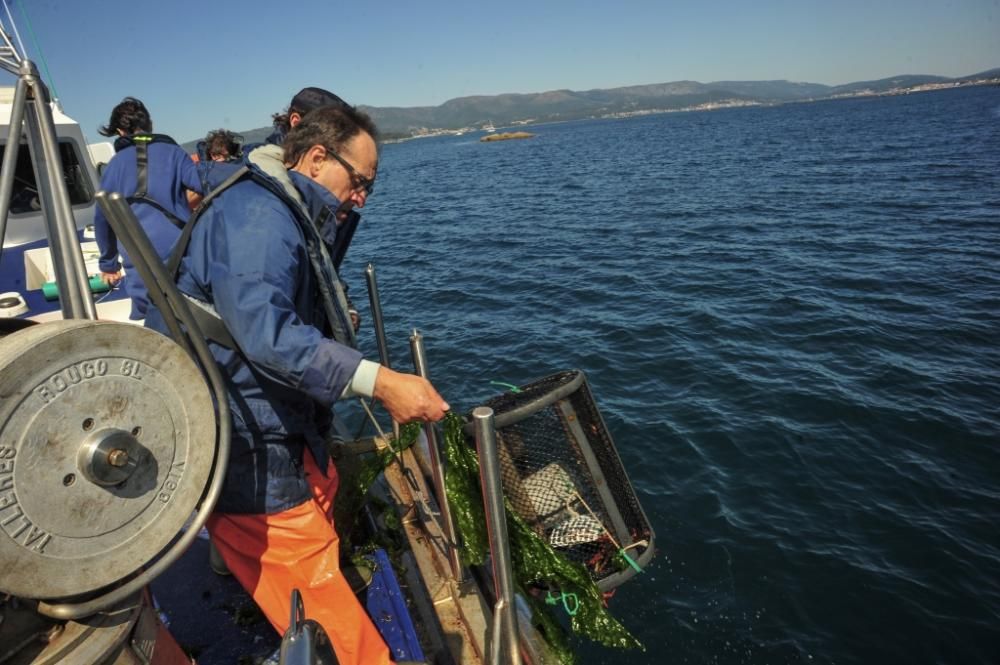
[358,181]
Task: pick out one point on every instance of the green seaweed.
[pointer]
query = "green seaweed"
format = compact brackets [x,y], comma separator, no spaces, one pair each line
[357,474]
[465,497]
[535,563]
[537,567]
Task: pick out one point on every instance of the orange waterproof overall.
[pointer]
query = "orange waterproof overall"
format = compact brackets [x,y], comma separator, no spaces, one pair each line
[298,548]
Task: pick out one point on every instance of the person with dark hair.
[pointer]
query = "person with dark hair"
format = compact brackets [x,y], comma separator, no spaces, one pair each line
[259,263]
[305,100]
[220,145]
[160,182]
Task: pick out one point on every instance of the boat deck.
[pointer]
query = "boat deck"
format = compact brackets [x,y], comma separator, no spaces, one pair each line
[422,613]
[212,618]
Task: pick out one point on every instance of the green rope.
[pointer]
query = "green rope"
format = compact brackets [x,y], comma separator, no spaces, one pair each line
[552,599]
[535,563]
[41,55]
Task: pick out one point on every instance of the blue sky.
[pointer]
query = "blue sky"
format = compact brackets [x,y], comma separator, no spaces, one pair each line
[227,63]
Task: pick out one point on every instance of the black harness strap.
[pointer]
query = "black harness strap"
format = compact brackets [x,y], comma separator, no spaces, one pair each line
[332,295]
[180,247]
[210,323]
[141,168]
[141,143]
[208,319]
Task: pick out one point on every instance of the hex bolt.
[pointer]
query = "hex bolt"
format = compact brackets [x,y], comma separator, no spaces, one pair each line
[118,457]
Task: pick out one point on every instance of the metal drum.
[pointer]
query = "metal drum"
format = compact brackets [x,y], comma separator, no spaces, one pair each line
[107,435]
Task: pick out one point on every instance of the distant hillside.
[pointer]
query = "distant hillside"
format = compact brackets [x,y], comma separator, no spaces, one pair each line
[470,113]
[884,85]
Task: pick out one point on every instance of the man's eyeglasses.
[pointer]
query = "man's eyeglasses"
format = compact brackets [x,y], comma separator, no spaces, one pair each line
[358,181]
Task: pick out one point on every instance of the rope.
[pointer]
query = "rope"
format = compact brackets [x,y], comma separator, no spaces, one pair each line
[395,453]
[13,26]
[38,47]
[621,550]
[565,598]
[371,417]
[511,387]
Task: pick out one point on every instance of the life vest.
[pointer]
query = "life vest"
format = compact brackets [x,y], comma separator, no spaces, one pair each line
[141,143]
[333,296]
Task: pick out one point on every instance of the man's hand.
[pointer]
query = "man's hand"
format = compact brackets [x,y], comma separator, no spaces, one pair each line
[111,278]
[408,397]
[193,199]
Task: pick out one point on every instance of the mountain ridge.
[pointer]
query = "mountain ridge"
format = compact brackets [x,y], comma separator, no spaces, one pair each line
[470,113]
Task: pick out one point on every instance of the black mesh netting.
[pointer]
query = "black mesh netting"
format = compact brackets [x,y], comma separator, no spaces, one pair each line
[563,477]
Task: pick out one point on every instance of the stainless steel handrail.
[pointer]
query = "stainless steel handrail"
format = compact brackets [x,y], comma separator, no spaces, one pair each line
[375,299]
[437,468]
[505,628]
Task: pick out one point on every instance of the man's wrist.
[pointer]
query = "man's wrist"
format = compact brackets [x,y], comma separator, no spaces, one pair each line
[363,381]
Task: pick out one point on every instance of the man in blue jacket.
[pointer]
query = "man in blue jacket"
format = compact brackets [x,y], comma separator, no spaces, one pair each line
[257,259]
[160,182]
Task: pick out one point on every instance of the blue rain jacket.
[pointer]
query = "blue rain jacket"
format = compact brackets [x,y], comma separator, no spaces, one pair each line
[248,259]
[171,171]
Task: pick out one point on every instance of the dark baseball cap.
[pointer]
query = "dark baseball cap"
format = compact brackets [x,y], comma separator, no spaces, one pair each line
[308,99]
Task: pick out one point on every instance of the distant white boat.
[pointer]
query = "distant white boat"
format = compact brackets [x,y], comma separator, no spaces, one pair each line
[488,127]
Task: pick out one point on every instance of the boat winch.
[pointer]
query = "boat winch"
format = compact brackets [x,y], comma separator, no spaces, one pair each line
[107,441]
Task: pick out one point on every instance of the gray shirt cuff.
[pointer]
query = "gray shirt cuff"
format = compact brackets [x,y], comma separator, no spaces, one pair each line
[363,382]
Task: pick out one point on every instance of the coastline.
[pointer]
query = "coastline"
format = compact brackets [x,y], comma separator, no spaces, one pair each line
[425,132]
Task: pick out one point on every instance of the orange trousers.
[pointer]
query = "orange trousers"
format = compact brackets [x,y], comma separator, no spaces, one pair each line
[298,548]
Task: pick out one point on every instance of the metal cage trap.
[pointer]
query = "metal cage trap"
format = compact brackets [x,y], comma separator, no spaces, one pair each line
[563,476]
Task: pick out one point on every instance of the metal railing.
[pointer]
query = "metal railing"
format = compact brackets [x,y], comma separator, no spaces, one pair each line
[437,468]
[31,106]
[503,643]
[504,637]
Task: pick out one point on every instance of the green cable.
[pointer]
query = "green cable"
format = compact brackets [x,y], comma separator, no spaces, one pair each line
[41,55]
[565,598]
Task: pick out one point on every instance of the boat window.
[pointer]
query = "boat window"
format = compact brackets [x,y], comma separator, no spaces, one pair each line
[24,197]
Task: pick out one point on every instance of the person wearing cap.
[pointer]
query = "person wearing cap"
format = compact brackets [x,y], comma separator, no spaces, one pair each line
[305,100]
[252,260]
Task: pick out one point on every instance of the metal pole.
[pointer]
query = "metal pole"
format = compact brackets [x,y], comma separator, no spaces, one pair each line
[375,299]
[496,527]
[11,151]
[495,645]
[64,244]
[376,302]
[437,469]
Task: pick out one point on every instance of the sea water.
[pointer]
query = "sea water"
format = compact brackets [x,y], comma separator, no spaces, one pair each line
[789,317]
